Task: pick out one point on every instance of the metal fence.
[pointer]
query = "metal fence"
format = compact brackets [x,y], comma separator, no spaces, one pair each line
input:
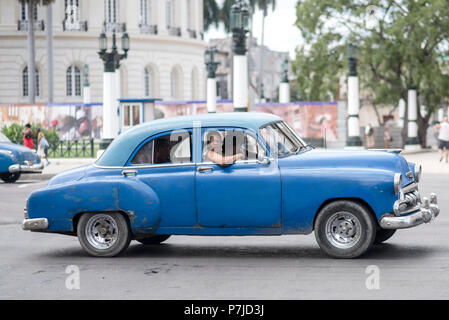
[73,149]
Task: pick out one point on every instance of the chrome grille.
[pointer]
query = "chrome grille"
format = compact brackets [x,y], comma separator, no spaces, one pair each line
[408,202]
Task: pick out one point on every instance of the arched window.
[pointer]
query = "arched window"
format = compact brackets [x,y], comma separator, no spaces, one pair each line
[148,82]
[25,82]
[176,83]
[73,79]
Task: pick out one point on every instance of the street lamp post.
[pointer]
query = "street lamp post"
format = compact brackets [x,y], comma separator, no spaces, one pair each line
[86,89]
[240,27]
[353,141]
[412,142]
[111,62]
[284,87]
[402,110]
[211,66]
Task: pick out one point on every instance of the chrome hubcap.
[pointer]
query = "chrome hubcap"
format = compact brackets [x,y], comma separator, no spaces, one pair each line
[101,231]
[343,230]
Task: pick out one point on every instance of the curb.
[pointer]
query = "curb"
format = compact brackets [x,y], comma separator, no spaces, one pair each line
[418,151]
[37,176]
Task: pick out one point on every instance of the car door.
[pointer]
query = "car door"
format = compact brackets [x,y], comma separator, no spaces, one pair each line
[244,194]
[165,163]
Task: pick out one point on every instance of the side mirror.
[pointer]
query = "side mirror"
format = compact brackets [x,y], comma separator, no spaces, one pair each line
[264,160]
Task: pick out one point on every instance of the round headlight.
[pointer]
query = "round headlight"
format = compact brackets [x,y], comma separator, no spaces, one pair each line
[397,182]
[418,170]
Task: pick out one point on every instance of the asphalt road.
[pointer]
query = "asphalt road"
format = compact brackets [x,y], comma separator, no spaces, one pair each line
[414,264]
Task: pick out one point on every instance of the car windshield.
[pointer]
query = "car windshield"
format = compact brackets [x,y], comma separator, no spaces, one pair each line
[281,139]
[3,138]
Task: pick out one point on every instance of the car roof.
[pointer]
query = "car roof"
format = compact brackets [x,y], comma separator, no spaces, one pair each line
[121,148]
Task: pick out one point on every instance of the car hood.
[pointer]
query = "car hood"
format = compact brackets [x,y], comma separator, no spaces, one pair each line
[20,152]
[382,160]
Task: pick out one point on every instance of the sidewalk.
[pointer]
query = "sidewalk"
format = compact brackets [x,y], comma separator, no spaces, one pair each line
[57,166]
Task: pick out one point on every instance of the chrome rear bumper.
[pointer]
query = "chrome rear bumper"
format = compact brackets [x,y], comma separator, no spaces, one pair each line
[35,224]
[426,213]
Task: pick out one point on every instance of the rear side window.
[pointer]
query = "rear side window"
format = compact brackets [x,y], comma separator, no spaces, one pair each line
[173,148]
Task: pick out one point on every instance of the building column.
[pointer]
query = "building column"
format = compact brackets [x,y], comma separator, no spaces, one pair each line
[240,89]
[353,141]
[402,109]
[412,142]
[49,39]
[211,95]
[109,83]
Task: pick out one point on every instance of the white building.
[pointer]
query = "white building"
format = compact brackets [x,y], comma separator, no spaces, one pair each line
[272,71]
[166,57]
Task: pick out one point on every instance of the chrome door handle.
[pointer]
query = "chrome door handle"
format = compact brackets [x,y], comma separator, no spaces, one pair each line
[129,173]
[205,169]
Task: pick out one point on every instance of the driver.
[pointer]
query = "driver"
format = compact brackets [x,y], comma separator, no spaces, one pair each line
[213,150]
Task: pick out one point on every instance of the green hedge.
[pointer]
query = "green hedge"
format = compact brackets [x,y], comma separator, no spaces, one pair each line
[15,133]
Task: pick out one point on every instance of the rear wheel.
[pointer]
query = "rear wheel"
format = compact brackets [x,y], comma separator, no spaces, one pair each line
[345,229]
[9,177]
[104,234]
[155,239]
[383,235]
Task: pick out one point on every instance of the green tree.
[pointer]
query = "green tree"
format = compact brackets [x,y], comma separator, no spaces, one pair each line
[212,14]
[401,43]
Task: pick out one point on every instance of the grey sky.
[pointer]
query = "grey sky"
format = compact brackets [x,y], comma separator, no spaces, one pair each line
[280,32]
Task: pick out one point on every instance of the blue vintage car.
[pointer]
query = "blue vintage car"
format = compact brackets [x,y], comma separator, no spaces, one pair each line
[16,159]
[230,175]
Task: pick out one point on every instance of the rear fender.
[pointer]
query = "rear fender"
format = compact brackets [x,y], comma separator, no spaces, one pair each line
[61,203]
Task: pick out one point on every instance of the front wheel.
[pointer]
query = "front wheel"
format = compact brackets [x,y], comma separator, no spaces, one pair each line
[154,239]
[8,177]
[383,235]
[103,234]
[345,229]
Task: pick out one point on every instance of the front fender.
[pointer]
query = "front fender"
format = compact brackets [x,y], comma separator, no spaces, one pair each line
[60,204]
[5,162]
[304,191]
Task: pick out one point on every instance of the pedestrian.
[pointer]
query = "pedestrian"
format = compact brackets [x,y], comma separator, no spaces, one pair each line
[42,146]
[369,136]
[28,137]
[387,137]
[443,138]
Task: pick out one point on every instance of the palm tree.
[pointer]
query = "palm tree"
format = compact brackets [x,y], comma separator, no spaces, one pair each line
[211,14]
[263,5]
[31,4]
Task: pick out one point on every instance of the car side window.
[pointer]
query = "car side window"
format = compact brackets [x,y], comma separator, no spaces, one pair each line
[173,148]
[230,142]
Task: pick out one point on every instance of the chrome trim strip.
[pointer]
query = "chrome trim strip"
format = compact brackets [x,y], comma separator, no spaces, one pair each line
[146,166]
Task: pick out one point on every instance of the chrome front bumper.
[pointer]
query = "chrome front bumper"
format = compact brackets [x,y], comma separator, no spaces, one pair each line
[35,224]
[426,212]
[34,168]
